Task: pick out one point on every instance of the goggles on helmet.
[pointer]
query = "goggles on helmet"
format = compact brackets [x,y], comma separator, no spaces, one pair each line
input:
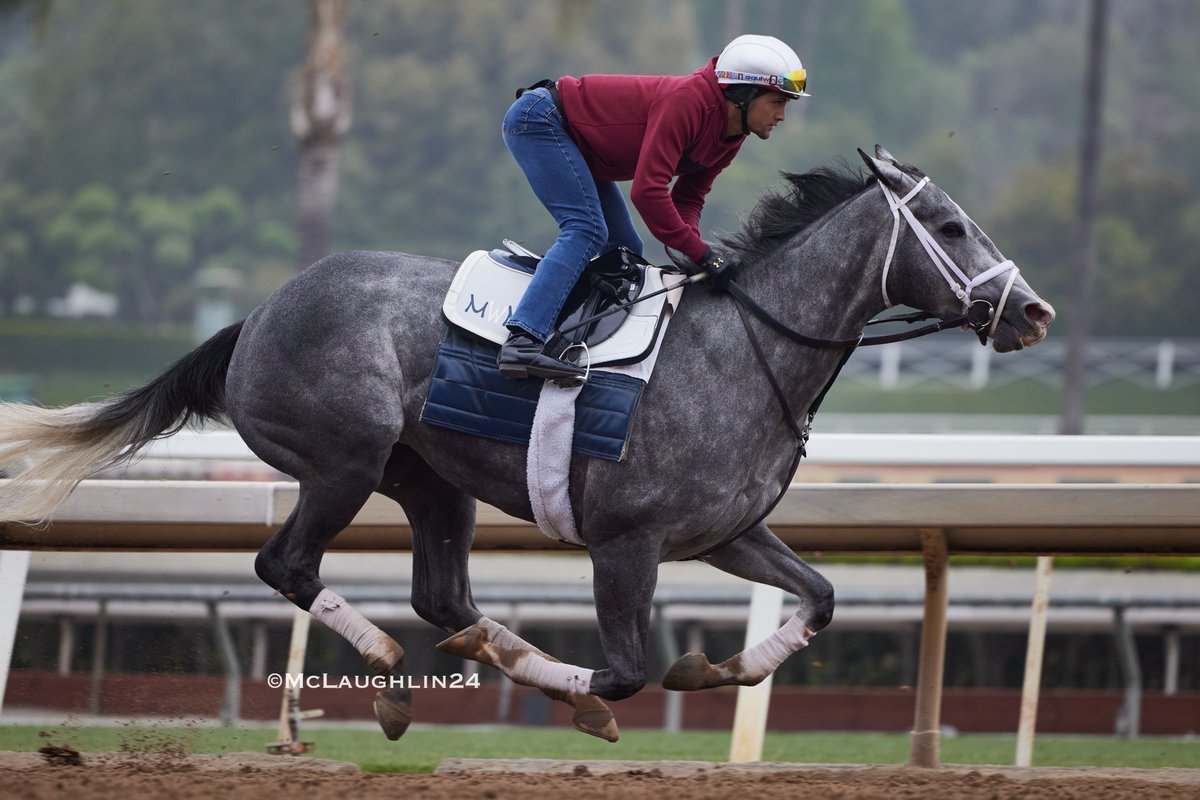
[793,83]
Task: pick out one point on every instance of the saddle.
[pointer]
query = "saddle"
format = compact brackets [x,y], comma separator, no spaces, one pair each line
[467,392]
[488,286]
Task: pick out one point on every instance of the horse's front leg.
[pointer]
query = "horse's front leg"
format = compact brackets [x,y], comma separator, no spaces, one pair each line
[758,555]
[489,642]
[625,571]
[443,524]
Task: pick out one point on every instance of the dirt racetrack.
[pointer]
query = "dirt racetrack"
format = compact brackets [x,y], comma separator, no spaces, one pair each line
[255,775]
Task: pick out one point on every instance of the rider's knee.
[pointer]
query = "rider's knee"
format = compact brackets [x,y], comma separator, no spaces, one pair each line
[590,234]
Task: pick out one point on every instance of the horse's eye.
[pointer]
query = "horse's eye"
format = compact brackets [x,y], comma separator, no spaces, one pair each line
[953,230]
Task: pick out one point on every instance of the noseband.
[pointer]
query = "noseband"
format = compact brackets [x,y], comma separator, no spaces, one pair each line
[981,315]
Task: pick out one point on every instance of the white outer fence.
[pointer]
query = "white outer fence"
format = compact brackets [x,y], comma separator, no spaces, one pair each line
[1160,364]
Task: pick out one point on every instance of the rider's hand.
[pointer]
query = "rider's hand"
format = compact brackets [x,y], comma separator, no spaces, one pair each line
[720,268]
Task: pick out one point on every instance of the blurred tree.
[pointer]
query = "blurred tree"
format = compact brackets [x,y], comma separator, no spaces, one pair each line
[947,30]
[167,97]
[1082,288]
[170,100]
[1152,83]
[219,218]
[38,12]
[321,113]
[426,170]
[1147,253]
[27,268]
[147,248]
[94,245]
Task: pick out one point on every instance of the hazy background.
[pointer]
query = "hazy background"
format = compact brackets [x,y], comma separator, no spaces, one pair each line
[143,142]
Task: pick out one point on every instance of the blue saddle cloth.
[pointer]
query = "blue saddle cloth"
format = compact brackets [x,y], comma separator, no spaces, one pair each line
[468,394]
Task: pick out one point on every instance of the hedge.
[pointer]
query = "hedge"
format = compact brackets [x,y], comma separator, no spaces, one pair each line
[42,346]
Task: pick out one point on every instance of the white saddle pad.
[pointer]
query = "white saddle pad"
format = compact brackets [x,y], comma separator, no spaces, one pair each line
[484,294]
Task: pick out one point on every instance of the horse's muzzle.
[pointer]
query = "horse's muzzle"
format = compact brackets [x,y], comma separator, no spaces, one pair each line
[1041,314]
[1023,328]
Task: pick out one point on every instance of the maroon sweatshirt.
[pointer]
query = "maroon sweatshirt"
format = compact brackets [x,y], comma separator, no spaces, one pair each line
[651,129]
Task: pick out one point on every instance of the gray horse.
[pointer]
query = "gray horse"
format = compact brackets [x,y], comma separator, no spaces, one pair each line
[326,379]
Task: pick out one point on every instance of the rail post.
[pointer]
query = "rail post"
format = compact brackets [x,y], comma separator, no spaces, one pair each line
[926,732]
[753,702]
[14,567]
[1031,689]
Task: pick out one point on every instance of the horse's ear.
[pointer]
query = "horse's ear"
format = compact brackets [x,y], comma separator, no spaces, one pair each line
[883,154]
[886,171]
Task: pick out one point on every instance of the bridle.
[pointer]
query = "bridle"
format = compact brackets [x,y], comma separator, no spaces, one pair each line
[986,315]
[978,314]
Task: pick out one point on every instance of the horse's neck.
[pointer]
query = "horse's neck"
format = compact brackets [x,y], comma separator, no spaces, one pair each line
[825,283]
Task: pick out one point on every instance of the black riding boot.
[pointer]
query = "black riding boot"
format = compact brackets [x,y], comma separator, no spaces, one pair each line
[523,356]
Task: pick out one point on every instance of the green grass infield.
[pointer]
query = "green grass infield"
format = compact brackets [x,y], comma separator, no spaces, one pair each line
[423,747]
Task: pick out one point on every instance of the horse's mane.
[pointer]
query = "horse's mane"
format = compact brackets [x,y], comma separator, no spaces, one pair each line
[780,215]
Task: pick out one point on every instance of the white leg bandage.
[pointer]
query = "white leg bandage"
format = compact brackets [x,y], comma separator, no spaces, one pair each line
[766,656]
[503,637]
[533,670]
[333,610]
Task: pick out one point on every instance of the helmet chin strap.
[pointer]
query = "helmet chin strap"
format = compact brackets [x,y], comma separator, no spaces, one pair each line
[742,102]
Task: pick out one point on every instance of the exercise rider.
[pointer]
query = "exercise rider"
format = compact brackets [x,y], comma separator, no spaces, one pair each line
[575,137]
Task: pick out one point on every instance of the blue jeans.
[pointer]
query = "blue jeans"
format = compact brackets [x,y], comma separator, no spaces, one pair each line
[592,216]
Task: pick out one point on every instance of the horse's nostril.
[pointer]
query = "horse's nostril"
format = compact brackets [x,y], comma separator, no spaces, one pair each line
[1040,313]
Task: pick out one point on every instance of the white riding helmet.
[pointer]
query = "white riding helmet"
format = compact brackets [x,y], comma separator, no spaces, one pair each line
[762,61]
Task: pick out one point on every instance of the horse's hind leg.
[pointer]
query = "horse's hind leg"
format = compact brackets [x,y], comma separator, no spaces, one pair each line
[759,556]
[443,524]
[289,563]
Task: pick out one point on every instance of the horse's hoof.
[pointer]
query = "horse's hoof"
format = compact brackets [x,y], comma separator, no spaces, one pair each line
[467,643]
[393,709]
[594,718]
[691,672]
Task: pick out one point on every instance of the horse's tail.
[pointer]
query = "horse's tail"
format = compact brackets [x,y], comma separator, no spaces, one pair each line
[50,450]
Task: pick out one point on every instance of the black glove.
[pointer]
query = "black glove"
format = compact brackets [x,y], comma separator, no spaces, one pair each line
[720,268]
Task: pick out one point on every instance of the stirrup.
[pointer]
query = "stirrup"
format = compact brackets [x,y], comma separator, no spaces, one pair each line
[538,360]
[553,369]
[571,383]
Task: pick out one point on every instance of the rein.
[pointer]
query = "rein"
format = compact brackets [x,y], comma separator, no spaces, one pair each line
[970,319]
[978,314]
